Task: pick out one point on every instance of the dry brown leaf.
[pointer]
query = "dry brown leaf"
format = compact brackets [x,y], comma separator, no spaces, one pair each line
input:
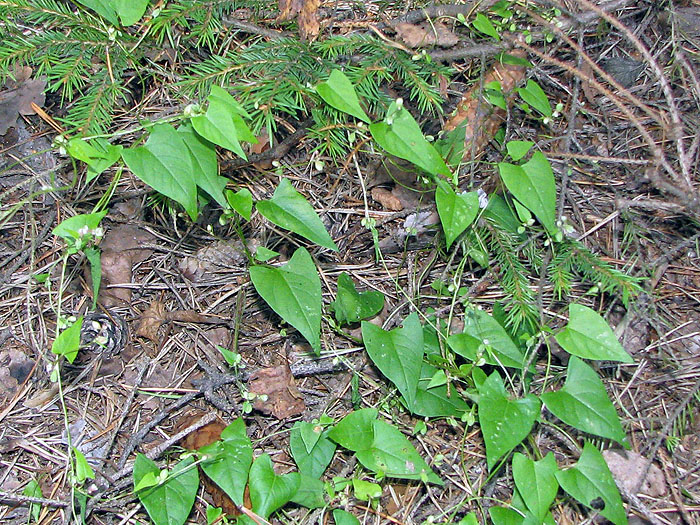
[122,247]
[289,9]
[15,367]
[150,322]
[483,119]
[18,96]
[387,199]
[308,20]
[220,256]
[283,398]
[426,35]
[307,11]
[627,466]
[261,146]
[202,437]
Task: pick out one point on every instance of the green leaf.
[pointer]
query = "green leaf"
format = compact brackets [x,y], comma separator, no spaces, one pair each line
[311,460]
[590,480]
[350,306]
[435,401]
[533,185]
[469,519]
[268,491]
[223,122]
[33,490]
[263,254]
[533,94]
[68,342]
[451,146]
[310,493]
[504,422]
[517,149]
[69,229]
[241,202]
[213,514]
[204,164]
[343,517]
[83,470]
[230,460]
[168,503]
[536,482]
[397,353]
[366,490]
[104,8]
[456,211]
[130,11]
[400,135]
[98,154]
[355,431]
[480,328]
[165,164]
[583,403]
[291,211]
[500,213]
[483,24]
[339,92]
[392,455]
[293,291]
[589,336]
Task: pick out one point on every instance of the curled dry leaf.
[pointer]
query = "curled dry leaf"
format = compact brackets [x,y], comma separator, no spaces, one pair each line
[387,199]
[156,314]
[307,11]
[15,367]
[426,35]
[202,437]
[218,257]
[483,119]
[122,247]
[283,398]
[627,466]
[150,321]
[17,97]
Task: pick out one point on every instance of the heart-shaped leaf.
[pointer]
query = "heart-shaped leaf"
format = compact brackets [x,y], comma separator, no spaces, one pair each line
[97,154]
[339,92]
[456,211]
[288,209]
[392,455]
[355,431]
[397,353]
[293,291]
[435,401]
[165,164]
[268,491]
[587,335]
[583,403]
[72,228]
[241,201]
[504,422]
[343,517]
[350,306]
[498,348]
[533,185]
[534,95]
[536,482]
[204,164]
[311,491]
[223,124]
[400,135]
[68,341]
[170,502]
[590,482]
[312,461]
[229,460]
